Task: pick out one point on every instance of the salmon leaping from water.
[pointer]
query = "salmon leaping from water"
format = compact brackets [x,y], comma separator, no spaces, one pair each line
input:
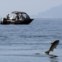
[53,46]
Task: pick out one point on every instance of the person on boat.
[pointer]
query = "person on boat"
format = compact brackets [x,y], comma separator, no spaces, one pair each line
[17,17]
[23,18]
[8,17]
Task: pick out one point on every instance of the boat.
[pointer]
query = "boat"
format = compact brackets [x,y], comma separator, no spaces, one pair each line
[16,17]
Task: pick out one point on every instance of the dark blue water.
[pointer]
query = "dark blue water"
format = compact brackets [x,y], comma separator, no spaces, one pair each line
[20,43]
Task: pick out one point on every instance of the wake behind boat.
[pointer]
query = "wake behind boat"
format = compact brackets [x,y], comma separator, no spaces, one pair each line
[17,17]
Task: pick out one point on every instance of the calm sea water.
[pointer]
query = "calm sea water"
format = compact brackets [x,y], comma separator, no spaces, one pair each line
[20,43]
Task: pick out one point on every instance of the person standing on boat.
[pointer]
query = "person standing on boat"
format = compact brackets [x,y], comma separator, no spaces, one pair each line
[17,17]
[8,17]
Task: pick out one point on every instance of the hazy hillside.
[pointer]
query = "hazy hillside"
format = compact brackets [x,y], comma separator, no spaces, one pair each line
[55,12]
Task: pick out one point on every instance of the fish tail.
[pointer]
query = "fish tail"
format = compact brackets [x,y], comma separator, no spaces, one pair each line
[47,52]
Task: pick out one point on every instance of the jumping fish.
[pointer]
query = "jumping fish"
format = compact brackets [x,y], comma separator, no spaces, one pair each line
[53,46]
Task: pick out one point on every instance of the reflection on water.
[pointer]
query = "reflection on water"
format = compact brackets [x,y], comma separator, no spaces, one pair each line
[53,59]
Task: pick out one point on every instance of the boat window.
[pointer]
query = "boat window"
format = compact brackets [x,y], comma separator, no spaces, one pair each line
[24,15]
[12,16]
